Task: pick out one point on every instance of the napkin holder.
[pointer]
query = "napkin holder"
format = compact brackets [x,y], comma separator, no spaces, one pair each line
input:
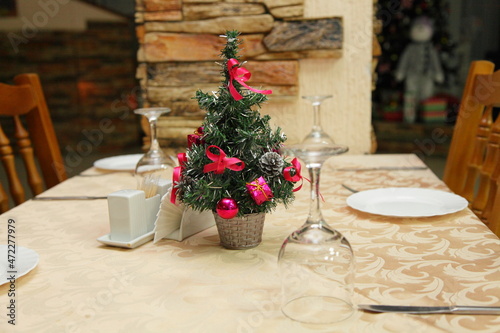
[177,222]
[135,219]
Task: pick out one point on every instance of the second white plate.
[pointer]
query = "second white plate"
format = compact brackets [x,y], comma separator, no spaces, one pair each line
[406,202]
[119,163]
[23,261]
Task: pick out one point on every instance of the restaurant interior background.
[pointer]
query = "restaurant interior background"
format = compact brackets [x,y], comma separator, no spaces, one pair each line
[86,55]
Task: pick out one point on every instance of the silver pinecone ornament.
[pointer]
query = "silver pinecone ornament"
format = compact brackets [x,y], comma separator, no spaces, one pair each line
[271,163]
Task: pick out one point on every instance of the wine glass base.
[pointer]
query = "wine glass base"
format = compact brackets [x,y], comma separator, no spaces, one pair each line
[318,309]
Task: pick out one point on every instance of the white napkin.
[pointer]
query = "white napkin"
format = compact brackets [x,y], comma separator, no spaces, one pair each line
[177,222]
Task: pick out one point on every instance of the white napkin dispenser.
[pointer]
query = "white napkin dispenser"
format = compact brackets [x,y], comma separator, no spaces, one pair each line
[131,215]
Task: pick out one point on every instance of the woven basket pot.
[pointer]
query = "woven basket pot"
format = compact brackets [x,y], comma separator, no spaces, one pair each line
[240,233]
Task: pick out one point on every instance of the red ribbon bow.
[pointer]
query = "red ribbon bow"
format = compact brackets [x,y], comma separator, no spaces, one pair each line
[295,178]
[240,74]
[176,177]
[221,162]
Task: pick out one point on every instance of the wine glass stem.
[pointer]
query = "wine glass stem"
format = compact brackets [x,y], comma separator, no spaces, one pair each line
[315,215]
[154,137]
[316,117]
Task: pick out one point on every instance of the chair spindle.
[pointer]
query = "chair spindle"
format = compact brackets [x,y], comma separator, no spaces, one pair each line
[26,150]
[7,156]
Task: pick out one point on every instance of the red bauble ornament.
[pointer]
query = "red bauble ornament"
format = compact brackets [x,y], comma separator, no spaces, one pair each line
[227,208]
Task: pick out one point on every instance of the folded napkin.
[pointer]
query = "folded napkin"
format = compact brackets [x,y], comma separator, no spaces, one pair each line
[177,222]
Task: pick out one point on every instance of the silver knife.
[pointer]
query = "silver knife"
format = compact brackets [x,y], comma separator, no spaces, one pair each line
[383,168]
[103,174]
[79,197]
[457,309]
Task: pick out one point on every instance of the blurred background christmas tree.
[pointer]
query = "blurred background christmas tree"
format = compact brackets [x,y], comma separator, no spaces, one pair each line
[464,30]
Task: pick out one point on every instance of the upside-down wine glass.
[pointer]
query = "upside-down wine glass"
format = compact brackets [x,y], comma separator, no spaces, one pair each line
[317,135]
[316,262]
[155,161]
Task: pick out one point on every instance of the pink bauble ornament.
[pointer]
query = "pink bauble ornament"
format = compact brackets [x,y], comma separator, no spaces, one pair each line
[227,208]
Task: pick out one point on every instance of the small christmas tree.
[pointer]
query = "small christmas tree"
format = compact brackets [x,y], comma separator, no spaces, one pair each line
[235,166]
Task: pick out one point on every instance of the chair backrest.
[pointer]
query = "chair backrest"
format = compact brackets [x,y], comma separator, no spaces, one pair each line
[25,98]
[472,168]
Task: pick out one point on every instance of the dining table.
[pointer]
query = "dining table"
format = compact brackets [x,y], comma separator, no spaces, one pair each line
[79,284]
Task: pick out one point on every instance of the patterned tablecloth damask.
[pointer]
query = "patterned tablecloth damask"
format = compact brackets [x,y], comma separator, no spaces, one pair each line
[81,285]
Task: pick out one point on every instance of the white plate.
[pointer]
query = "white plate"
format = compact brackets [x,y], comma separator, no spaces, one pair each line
[24,261]
[119,163]
[406,202]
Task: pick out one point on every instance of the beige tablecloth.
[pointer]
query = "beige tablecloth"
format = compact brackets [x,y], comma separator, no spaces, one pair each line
[81,285]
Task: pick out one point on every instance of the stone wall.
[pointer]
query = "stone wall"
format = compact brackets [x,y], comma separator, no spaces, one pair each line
[180,44]
[86,77]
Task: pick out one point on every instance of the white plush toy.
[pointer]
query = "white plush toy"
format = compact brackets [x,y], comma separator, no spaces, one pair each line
[419,66]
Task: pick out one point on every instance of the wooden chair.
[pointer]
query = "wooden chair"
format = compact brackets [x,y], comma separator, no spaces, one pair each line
[473,165]
[25,98]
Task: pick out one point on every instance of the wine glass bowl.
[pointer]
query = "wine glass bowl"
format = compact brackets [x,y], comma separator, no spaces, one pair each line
[316,262]
[317,268]
[154,160]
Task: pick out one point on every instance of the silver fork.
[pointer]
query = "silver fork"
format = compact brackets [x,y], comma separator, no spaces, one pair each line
[349,188]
